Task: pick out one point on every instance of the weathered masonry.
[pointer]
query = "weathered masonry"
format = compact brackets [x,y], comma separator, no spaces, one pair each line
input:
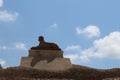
[46,56]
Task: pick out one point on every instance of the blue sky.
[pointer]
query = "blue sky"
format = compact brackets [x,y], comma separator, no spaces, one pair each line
[88,31]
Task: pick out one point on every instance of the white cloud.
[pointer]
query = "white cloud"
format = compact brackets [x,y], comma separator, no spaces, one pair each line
[107,47]
[2,62]
[73,51]
[72,56]
[73,47]
[20,46]
[6,16]
[3,47]
[1,3]
[78,30]
[54,26]
[90,31]
[16,46]
[84,58]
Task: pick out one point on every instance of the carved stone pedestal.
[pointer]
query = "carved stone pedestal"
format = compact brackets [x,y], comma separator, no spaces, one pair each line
[51,60]
[46,56]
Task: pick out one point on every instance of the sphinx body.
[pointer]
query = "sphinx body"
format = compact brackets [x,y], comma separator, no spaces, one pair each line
[45,45]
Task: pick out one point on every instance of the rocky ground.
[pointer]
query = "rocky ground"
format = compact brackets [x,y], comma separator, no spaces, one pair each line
[75,73]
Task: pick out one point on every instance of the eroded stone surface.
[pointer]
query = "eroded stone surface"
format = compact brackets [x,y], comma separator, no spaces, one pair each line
[57,64]
[52,61]
[45,53]
[46,56]
[1,66]
[117,78]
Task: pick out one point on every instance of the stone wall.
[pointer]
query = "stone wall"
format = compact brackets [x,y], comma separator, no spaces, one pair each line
[57,64]
[26,62]
[32,79]
[51,60]
[46,53]
[118,78]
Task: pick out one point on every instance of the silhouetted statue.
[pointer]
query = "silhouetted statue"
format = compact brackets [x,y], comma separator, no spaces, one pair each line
[45,45]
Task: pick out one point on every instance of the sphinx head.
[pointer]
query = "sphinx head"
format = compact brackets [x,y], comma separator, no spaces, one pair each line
[41,38]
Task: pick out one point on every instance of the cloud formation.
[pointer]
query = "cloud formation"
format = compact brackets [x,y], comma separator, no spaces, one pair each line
[72,56]
[6,16]
[73,51]
[90,31]
[20,46]
[54,26]
[73,47]
[106,47]
[1,3]
[16,46]
[2,62]
[3,47]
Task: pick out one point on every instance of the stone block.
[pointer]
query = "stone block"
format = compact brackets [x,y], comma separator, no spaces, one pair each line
[45,53]
[26,62]
[58,64]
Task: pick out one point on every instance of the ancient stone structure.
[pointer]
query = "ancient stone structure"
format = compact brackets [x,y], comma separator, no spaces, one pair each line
[1,66]
[46,56]
[117,78]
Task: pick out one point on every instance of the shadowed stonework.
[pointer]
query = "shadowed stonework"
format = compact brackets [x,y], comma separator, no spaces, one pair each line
[46,56]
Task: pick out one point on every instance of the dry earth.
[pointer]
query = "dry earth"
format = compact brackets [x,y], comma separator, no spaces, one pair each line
[76,73]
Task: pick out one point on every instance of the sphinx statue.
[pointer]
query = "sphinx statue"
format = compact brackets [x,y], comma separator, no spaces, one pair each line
[43,45]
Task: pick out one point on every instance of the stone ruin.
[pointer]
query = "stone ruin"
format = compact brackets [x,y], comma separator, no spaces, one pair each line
[1,66]
[46,56]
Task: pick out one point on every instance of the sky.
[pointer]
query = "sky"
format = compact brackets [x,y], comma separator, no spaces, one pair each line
[87,31]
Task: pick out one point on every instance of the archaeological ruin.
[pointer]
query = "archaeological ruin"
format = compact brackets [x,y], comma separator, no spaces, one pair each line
[46,56]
